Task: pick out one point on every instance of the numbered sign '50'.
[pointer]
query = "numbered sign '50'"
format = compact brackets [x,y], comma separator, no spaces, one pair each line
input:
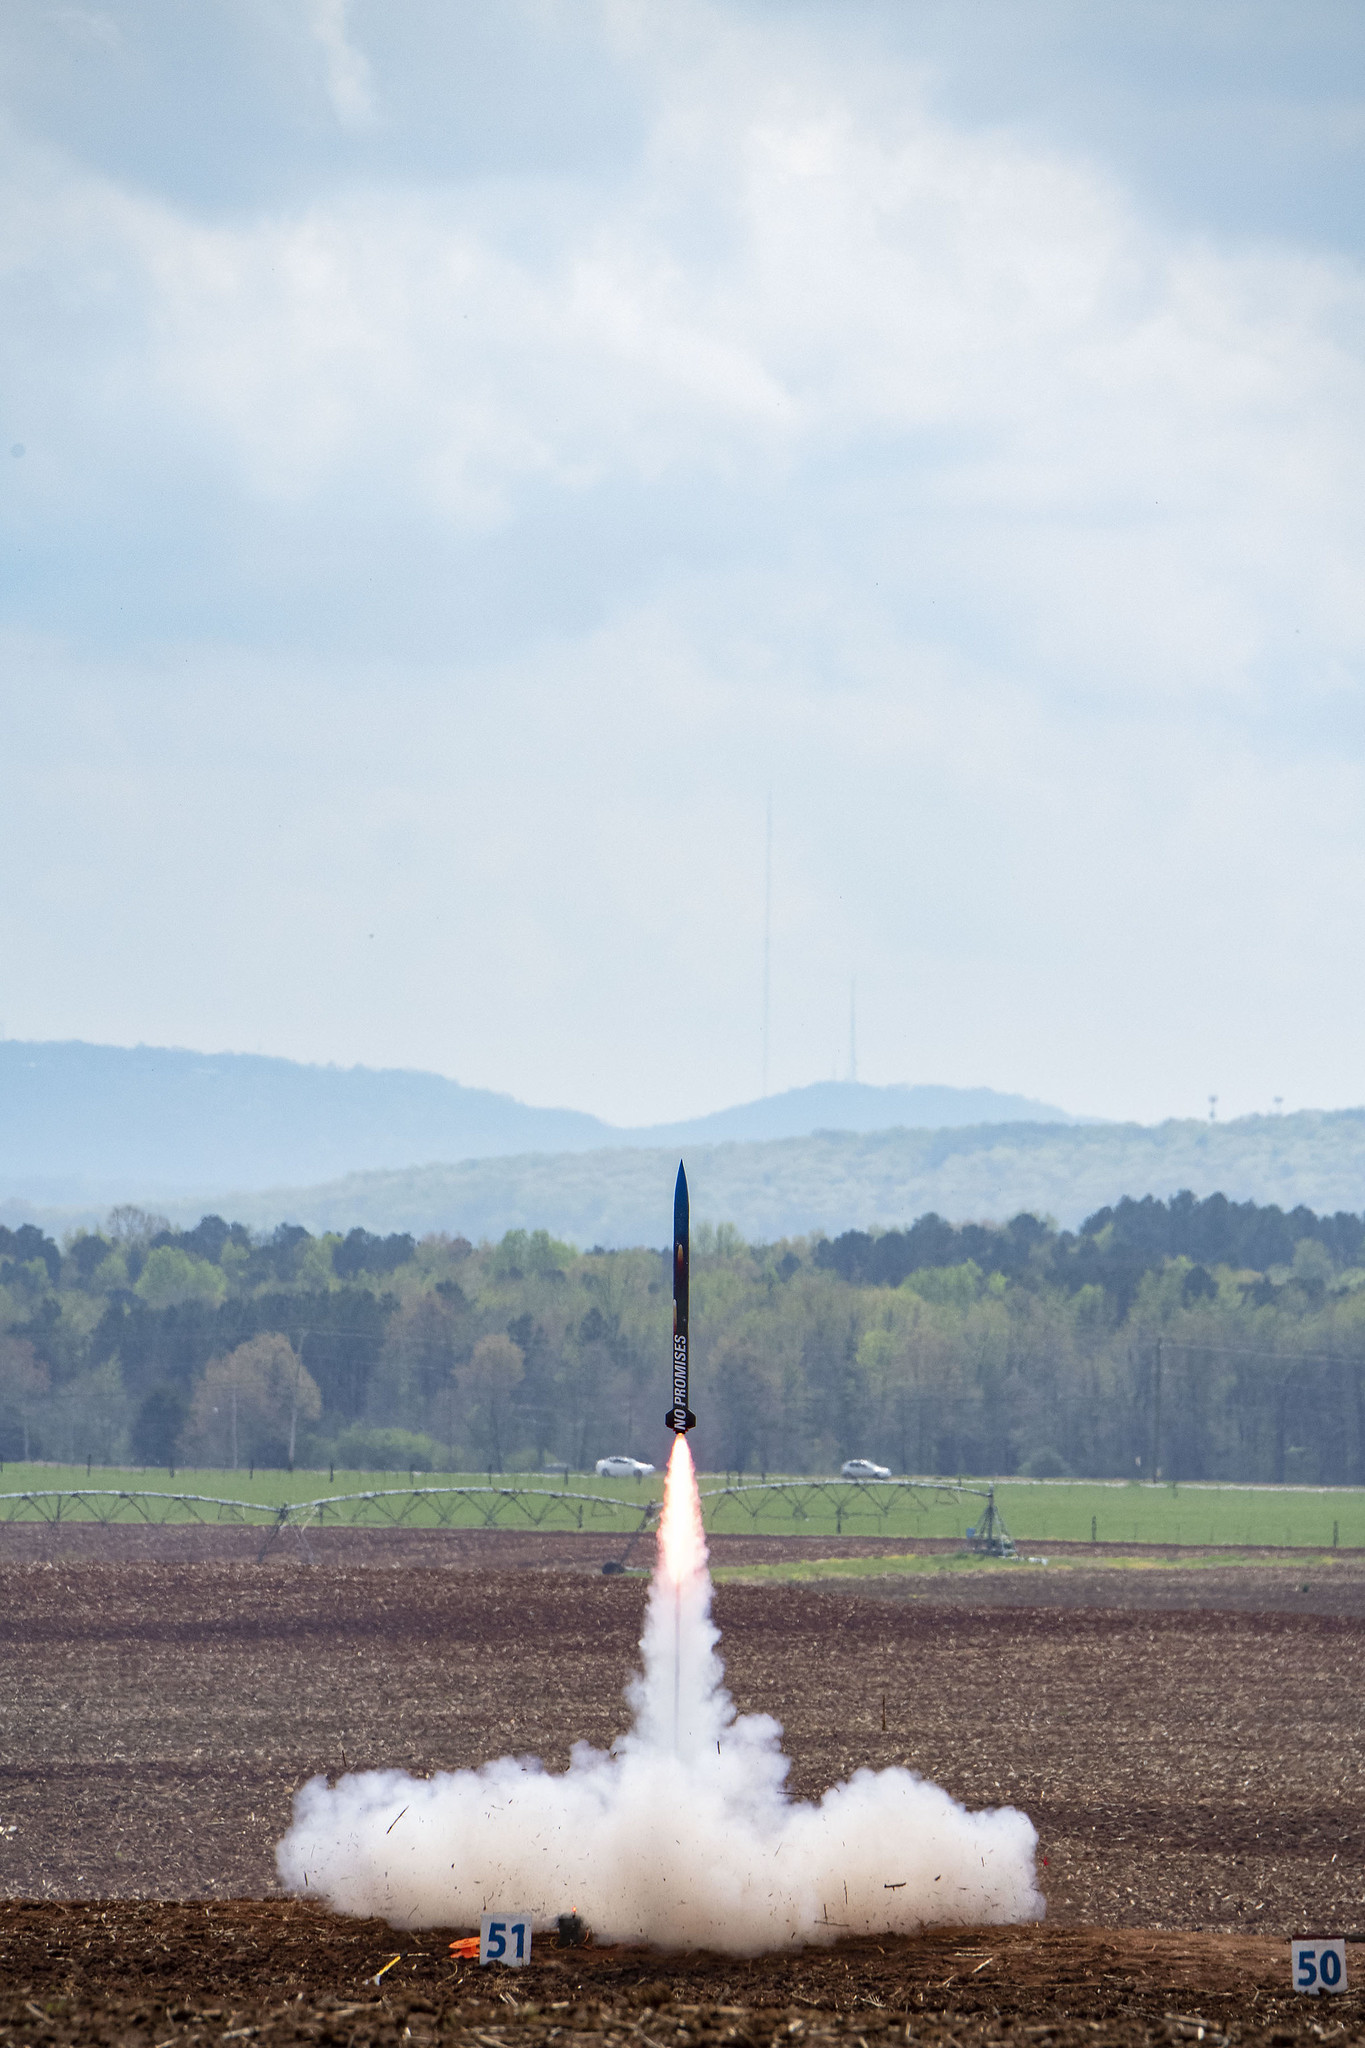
[1318,1965]
[505,1938]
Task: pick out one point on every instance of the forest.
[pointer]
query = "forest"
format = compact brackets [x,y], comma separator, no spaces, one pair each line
[1186,1339]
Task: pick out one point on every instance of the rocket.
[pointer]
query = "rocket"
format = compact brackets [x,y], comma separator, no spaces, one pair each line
[679,1417]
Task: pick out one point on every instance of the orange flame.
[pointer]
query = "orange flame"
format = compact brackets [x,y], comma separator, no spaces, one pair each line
[682,1540]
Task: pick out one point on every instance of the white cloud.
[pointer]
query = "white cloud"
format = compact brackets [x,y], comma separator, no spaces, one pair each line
[972,332]
[911,468]
[86,26]
[350,84]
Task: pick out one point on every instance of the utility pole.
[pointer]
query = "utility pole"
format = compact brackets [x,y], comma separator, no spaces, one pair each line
[294,1407]
[1156,1417]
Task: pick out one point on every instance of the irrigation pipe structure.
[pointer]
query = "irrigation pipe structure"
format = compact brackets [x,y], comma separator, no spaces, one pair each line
[767,1501]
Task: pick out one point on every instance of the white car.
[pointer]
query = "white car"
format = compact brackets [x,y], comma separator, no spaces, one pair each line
[858,1468]
[621,1467]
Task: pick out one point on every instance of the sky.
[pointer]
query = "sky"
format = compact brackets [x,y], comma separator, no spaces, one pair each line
[461,466]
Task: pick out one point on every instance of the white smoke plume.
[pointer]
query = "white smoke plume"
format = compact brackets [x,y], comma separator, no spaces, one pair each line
[682,1835]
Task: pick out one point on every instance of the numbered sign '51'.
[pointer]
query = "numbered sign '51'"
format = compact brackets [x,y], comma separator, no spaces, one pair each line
[505,1938]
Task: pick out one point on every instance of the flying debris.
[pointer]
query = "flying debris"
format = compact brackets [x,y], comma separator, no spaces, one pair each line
[680,1417]
[741,1867]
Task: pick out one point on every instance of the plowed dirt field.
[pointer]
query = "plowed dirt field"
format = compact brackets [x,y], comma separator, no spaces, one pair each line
[1188,1743]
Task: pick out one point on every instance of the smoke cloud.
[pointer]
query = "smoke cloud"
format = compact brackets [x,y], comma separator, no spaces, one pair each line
[683,1835]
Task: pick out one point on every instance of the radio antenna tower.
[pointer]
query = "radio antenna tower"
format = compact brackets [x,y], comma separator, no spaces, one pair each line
[767,933]
[853,1029]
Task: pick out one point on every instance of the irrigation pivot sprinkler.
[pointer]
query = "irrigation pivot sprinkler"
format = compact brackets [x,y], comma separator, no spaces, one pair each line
[614,1566]
[789,1504]
[992,1538]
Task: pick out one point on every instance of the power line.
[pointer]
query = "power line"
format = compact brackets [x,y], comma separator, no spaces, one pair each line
[284,1328]
[1276,1357]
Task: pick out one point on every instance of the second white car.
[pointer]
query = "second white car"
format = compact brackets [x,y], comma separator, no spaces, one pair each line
[620,1467]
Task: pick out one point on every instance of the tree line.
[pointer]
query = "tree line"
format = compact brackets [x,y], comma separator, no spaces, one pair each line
[1194,1339]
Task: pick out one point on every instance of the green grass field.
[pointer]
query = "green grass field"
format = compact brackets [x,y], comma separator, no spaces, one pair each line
[1036,1512]
[936,1564]
[1219,1515]
[1042,1512]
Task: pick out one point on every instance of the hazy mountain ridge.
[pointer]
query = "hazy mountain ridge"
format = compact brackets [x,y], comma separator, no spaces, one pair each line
[838,1181]
[87,1123]
[855,1106]
[562,1170]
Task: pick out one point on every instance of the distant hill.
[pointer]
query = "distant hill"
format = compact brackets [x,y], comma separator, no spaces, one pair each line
[99,1123]
[854,1106]
[835,1182]
[92,1122]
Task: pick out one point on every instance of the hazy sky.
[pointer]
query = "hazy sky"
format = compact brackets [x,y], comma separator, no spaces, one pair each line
[465,456]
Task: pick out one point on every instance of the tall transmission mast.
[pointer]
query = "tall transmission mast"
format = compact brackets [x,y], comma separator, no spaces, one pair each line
[853,1028]
[767,933]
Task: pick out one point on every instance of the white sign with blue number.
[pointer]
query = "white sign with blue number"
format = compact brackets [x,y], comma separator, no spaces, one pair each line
[1318,1966]
[505,1938]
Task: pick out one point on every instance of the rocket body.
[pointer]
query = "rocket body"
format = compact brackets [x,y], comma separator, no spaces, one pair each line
[679,1417]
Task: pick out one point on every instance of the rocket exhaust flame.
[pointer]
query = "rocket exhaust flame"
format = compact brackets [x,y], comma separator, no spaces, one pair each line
[682,1538]
[680,1575]
[683,1834]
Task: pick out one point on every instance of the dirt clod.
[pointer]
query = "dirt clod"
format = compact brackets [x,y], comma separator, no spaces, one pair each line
[1187,1743]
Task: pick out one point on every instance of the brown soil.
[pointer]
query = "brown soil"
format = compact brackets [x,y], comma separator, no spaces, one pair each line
[477,1549]
[1187,1742]
[158,1976]
[440,1549]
